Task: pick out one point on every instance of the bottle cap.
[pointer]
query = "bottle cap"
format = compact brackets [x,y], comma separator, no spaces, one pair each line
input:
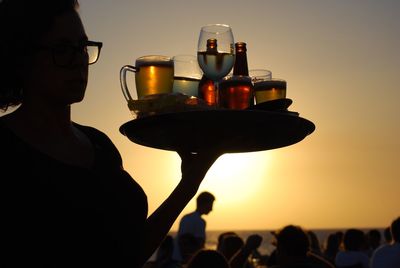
[240,47]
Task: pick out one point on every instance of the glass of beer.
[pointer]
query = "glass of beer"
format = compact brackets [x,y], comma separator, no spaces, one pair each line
[154,74]
[187,75]
[258,75]
[268,90]
[235,92]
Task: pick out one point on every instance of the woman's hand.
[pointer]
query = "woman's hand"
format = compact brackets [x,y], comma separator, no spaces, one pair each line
[194,166]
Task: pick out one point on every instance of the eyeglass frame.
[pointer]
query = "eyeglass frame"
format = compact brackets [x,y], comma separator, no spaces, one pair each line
[82,48]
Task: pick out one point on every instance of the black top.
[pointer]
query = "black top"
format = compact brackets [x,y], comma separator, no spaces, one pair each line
[57,215]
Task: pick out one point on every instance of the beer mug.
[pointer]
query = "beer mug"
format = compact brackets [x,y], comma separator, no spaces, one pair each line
[154,74]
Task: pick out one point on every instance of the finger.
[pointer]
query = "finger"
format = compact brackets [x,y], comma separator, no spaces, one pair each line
[184,155]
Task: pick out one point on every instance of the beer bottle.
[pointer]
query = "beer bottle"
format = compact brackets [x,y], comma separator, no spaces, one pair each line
[237,91]
[207,90]
[241,67]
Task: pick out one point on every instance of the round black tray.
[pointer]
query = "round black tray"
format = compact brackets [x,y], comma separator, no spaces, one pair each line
[233,131]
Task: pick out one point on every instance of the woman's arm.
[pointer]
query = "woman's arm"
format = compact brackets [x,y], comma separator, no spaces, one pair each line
[194,168]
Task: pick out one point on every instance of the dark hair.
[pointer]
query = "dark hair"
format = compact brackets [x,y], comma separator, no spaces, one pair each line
[354,239]
[231,244]
[293,241]
[208,258]
[23,23]
[374,238]
[387,234]
[395,230]
[205,198]
[333,243]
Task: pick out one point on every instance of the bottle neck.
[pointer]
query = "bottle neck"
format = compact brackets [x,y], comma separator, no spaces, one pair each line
[212,46]
[241,67]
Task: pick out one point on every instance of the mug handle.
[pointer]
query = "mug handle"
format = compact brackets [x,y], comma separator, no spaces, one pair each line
[122,78]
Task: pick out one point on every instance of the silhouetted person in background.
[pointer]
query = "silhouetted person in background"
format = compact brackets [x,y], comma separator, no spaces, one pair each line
[194,224]
[314,243]
[164,254]
[373,241]
[332,247]
[353,254]
[340,235]
[388,255]
[188,246]
[387,235]
[221,237]
[238,252]
[293,250]
[66,200]
[241,258]
[230,245]
[208,258]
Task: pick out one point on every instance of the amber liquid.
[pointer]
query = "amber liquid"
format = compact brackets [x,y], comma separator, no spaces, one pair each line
[207,91]
[269,90]
[154,78]
[235,94]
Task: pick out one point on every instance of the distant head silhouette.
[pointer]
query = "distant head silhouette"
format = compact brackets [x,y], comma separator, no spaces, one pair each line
[188,245]
[374,238]
[354,240]
[387,235]
[208,259]
[230,245]
[395,230]
[292,241]
[332,246]
[205,202]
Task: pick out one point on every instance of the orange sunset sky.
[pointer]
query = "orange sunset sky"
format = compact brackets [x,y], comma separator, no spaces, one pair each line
[341,61]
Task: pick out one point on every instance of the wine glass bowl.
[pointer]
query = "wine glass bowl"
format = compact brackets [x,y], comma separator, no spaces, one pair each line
[215,51]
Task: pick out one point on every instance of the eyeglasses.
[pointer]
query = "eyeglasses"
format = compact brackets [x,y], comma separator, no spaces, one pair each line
[64,54]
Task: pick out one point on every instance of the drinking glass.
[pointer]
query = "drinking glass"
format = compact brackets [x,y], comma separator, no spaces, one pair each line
[259,75]
[217,62]
[154,74]
[187,75]
[267,90]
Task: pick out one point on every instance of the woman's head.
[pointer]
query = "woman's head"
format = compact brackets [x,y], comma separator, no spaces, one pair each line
[25,25]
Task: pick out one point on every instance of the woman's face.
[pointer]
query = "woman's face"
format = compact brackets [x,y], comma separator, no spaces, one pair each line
[49,83]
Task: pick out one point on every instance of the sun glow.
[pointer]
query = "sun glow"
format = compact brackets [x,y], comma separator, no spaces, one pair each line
[235,178]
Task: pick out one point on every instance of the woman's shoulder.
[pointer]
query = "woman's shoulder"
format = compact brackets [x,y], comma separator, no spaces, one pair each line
[96,136]
[101,142]
[92,131]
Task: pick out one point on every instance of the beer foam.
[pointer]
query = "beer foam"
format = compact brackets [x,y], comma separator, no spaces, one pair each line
[154,61]
[271,84]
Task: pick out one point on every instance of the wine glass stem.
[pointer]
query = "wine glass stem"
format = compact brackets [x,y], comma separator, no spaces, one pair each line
[216,94]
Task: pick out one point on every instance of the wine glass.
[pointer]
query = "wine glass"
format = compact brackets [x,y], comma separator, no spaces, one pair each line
[216,52]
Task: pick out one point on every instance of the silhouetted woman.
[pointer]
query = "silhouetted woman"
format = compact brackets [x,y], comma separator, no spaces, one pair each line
[66,200]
